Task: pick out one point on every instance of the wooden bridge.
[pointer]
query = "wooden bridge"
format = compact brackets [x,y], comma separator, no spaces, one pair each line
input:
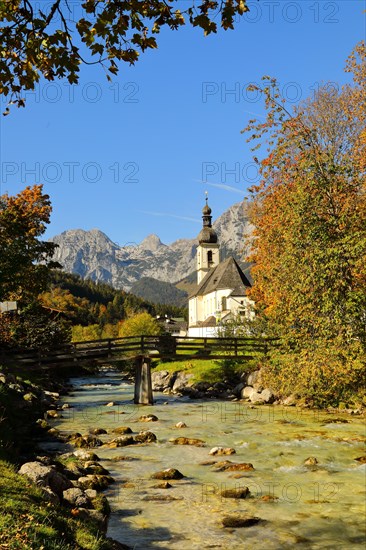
[140,349]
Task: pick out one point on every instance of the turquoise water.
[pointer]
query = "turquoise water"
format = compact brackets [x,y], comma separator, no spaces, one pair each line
[314,508]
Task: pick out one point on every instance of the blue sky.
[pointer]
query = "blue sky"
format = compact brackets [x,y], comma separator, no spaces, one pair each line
[135,156]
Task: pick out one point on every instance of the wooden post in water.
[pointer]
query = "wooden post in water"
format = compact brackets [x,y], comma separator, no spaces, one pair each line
[143,386]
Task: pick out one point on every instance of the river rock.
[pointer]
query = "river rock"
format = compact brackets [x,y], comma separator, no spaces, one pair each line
[238,389]
[96,482]
[46,476]
[268,498]
[148,418]
[229,466]
[52,414]
[122,430]
[161,380]
[91,493]
[111,404]
[94,515]
[145,437]
[122,441]
[93,467]
[240,521]
[247,392]
[222,451]
[42,423]
[290,401]
[188,441]
[256,398]
[87,441]
[238,492]
[163,485]
[85,455]
[50,496]
[255,379]
[267,395]
[76,497]
[98,431]
[181,381]
[181,425]
[169,473]
[311,461]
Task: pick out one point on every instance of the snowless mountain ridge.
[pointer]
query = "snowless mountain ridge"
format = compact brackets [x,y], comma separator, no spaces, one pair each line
[91,254]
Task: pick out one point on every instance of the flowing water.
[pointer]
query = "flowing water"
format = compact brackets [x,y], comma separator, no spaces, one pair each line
[320,507]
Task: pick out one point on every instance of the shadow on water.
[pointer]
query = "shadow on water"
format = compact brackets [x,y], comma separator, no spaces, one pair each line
[139,537]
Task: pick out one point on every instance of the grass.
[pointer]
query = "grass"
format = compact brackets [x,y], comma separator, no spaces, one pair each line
[206,370]
[28,521]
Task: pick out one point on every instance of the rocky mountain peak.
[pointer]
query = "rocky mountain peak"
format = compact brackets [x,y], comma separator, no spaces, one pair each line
[93,255]
[151,242]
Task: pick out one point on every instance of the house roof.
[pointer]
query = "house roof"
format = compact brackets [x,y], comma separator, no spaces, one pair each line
[227,274]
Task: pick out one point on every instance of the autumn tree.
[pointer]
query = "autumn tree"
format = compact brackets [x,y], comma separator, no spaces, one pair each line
[25,259]
[309,251]
[140,324]
[54,39]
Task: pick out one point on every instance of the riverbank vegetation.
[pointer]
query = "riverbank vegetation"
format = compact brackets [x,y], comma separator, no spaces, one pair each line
[28,520]
[309,246]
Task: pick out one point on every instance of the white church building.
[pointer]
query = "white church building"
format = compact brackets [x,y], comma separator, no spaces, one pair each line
[221,292]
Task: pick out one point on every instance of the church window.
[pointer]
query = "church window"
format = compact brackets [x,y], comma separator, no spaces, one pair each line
[223,303]
[209,257]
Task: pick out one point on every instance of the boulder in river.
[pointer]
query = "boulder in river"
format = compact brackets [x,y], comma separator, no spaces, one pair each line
[148,418]
[122,430]
[237,492]
[188,441]
[311,461]
[163,485]
[240,521]
[145,437]
[169,473]
[85,455]
[222,451]
[98,431]
[181,425]
[96,482]
[122,441]
[87,441]
[228,466]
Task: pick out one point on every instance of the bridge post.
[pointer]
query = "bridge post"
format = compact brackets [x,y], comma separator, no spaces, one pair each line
[143,386]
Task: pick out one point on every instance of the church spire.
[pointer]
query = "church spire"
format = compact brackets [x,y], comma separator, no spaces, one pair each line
[208,234]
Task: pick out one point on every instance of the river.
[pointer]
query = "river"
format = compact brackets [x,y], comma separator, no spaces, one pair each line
[315,507]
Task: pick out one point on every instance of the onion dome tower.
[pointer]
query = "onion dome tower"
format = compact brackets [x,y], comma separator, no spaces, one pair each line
[208,250]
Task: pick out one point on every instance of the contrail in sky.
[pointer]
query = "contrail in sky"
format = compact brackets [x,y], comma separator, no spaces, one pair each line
[223,186]
[165,215]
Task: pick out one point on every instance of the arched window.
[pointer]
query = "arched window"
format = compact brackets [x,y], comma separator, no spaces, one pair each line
[209,257]
[223,303]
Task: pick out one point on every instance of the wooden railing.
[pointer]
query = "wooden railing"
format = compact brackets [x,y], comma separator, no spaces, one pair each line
[166,346]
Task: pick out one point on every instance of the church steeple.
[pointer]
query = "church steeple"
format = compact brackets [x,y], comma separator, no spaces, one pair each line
[208,255]
[208,234]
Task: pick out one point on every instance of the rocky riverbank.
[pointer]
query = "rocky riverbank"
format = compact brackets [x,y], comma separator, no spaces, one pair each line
[247,387]
[69,483]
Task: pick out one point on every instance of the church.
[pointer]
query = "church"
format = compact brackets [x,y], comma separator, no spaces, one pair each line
[221,291]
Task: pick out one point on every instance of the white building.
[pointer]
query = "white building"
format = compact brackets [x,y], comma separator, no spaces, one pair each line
[221,292]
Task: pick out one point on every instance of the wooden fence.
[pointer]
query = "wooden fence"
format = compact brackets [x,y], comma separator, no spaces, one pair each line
[114,349]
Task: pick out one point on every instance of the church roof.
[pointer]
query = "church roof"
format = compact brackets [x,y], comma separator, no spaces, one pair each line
[227,274]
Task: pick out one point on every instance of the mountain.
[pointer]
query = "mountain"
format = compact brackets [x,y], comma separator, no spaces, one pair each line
[91,254]
[159,292]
